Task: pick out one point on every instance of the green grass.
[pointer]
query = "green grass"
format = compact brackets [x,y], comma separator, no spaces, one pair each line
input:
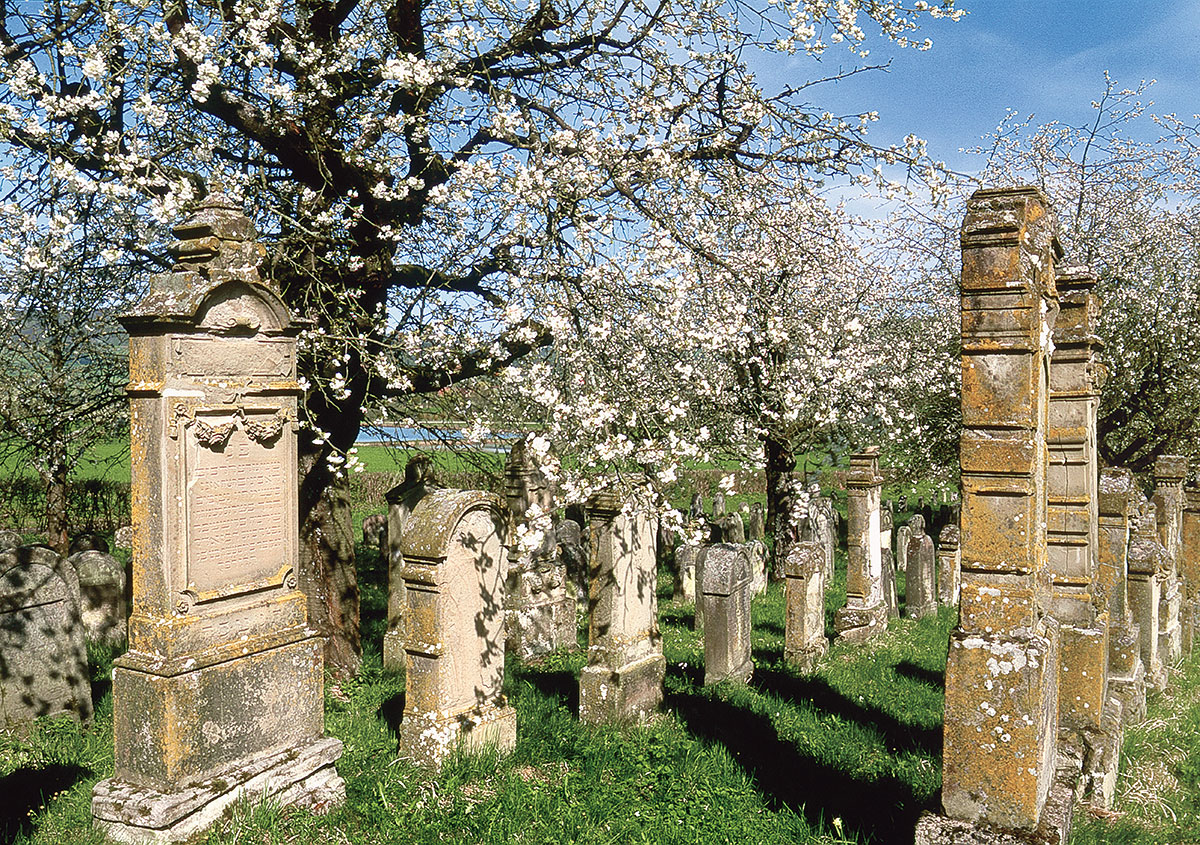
[848,754]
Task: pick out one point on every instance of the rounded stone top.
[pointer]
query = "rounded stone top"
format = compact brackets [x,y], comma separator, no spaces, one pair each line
[433,521]
[724,568]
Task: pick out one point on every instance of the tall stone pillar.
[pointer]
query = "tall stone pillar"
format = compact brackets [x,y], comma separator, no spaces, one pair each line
[539,610]
[1001,718]
[804,641]
[1072,509]
[1189,567]
[949,565]
[1170,471]
[402,500]
[866,611]
[1147,574]
[623,679]
[1126,672]
[220,696]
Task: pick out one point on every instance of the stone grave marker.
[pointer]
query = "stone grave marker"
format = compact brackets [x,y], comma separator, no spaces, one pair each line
[1189,568]
[685,580]
[43,656]
[573,556]
[1118,496]
[756,526]
[539,609]
[866,613]
[757,550]
[102,596]
[718,511]
[123,537]
[1170,471]
[1148,571]
[903,535]
[623,679]
[88,543]
[220,695]
[9,539]
[374,530]
[455,564]
[920,584]
[804,626]
[726,597]
[733,529]
[887,562]
[949,566]
[401,500]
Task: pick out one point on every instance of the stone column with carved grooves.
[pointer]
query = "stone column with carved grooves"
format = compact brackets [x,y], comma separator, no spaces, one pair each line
[865,614]
[1001,717]
[1126,672]
[1170,471]
[220,695]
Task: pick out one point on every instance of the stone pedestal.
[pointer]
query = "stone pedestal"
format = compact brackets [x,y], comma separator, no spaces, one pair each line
[888,563]
[455,563]
[401,500]
[623,679]
[539,609]
[1170,472]
[1001,716]
[1126,672]
[949,566]
[1147,573]
[726,596]
[920,580]
[1189,568]
[220,695]
[804,628]
[865,614]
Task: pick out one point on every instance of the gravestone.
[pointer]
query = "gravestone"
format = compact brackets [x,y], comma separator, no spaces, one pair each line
[623,679]
[757,552]
[920,584]
[903,535]
[756,526]
[999,751]
[374,530]
[454,573]
[9,540]
[220,695]
[819,527]
[88,543]
[102,596]
[43,656]
[733,529]
[573,556]
[866,613]
[539,610]
[1189,568]
[402,500]
[949,564]
[804,626]
[1170,471]
[887,562]
[726,597]
[718,511]
[696,511]
[123,537]
[685,580]
[1148,568]
[1118,495]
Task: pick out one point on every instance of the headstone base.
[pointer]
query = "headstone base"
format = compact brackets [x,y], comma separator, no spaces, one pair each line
[632,693]
[393,652]
[1170,634]
[1102,756]
[303,777]
[541,628]
[429,739]
[740,675]
[806,659]
[1082,685]
[1127,674]
[859,624]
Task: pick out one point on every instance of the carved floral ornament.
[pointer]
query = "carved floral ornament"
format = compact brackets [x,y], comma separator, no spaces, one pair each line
[215,435]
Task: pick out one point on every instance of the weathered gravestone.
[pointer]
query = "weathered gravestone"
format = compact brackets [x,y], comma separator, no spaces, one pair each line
[9,539]
[455,563]
[623,679]
[572,555]
[756,525]
[718,511]
[685,572]
[539,610]
[1148,571]
[43,656]
[887,562]
[804,627]
[865,614]
[1001,713]
[374,531]
[1126,673]
[820,526]
[733,529]
[696,510]
[903,535]
[757,551]
[88,543]
[220,695]
[102,596]
[949,565]
[123,537]
[920,583]
[402,500]
[1170,471]
[1189,568]
[725,593]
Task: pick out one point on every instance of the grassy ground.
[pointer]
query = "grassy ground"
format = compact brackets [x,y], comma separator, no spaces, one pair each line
[848,754]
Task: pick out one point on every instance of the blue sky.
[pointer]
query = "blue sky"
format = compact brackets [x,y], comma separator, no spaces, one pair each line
[1042,57]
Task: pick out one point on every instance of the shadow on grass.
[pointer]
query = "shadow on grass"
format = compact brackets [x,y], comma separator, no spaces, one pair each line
[770,628]
[909,669]
[27,790]
[883,811]
[675,615]
[392,712]
[561,684]
[897,735]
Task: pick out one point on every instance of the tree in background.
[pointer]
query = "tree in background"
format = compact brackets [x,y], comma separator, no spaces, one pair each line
[432,179]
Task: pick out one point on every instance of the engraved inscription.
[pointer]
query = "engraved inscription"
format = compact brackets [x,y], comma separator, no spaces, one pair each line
[205,358]
[237,516]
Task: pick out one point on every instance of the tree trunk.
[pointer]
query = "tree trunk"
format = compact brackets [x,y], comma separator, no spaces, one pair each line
[57,526]
[781,499]
[327,566]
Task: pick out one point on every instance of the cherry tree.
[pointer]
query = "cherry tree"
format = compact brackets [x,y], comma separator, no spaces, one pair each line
[429,177]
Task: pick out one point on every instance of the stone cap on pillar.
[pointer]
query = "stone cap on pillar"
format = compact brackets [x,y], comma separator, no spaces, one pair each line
[804,560]
[1191,501]
[864,469]
[948,540]
[1170,469]
[1011,217]
[605,505]
[1079,308]
[1118,492]
[435,518]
